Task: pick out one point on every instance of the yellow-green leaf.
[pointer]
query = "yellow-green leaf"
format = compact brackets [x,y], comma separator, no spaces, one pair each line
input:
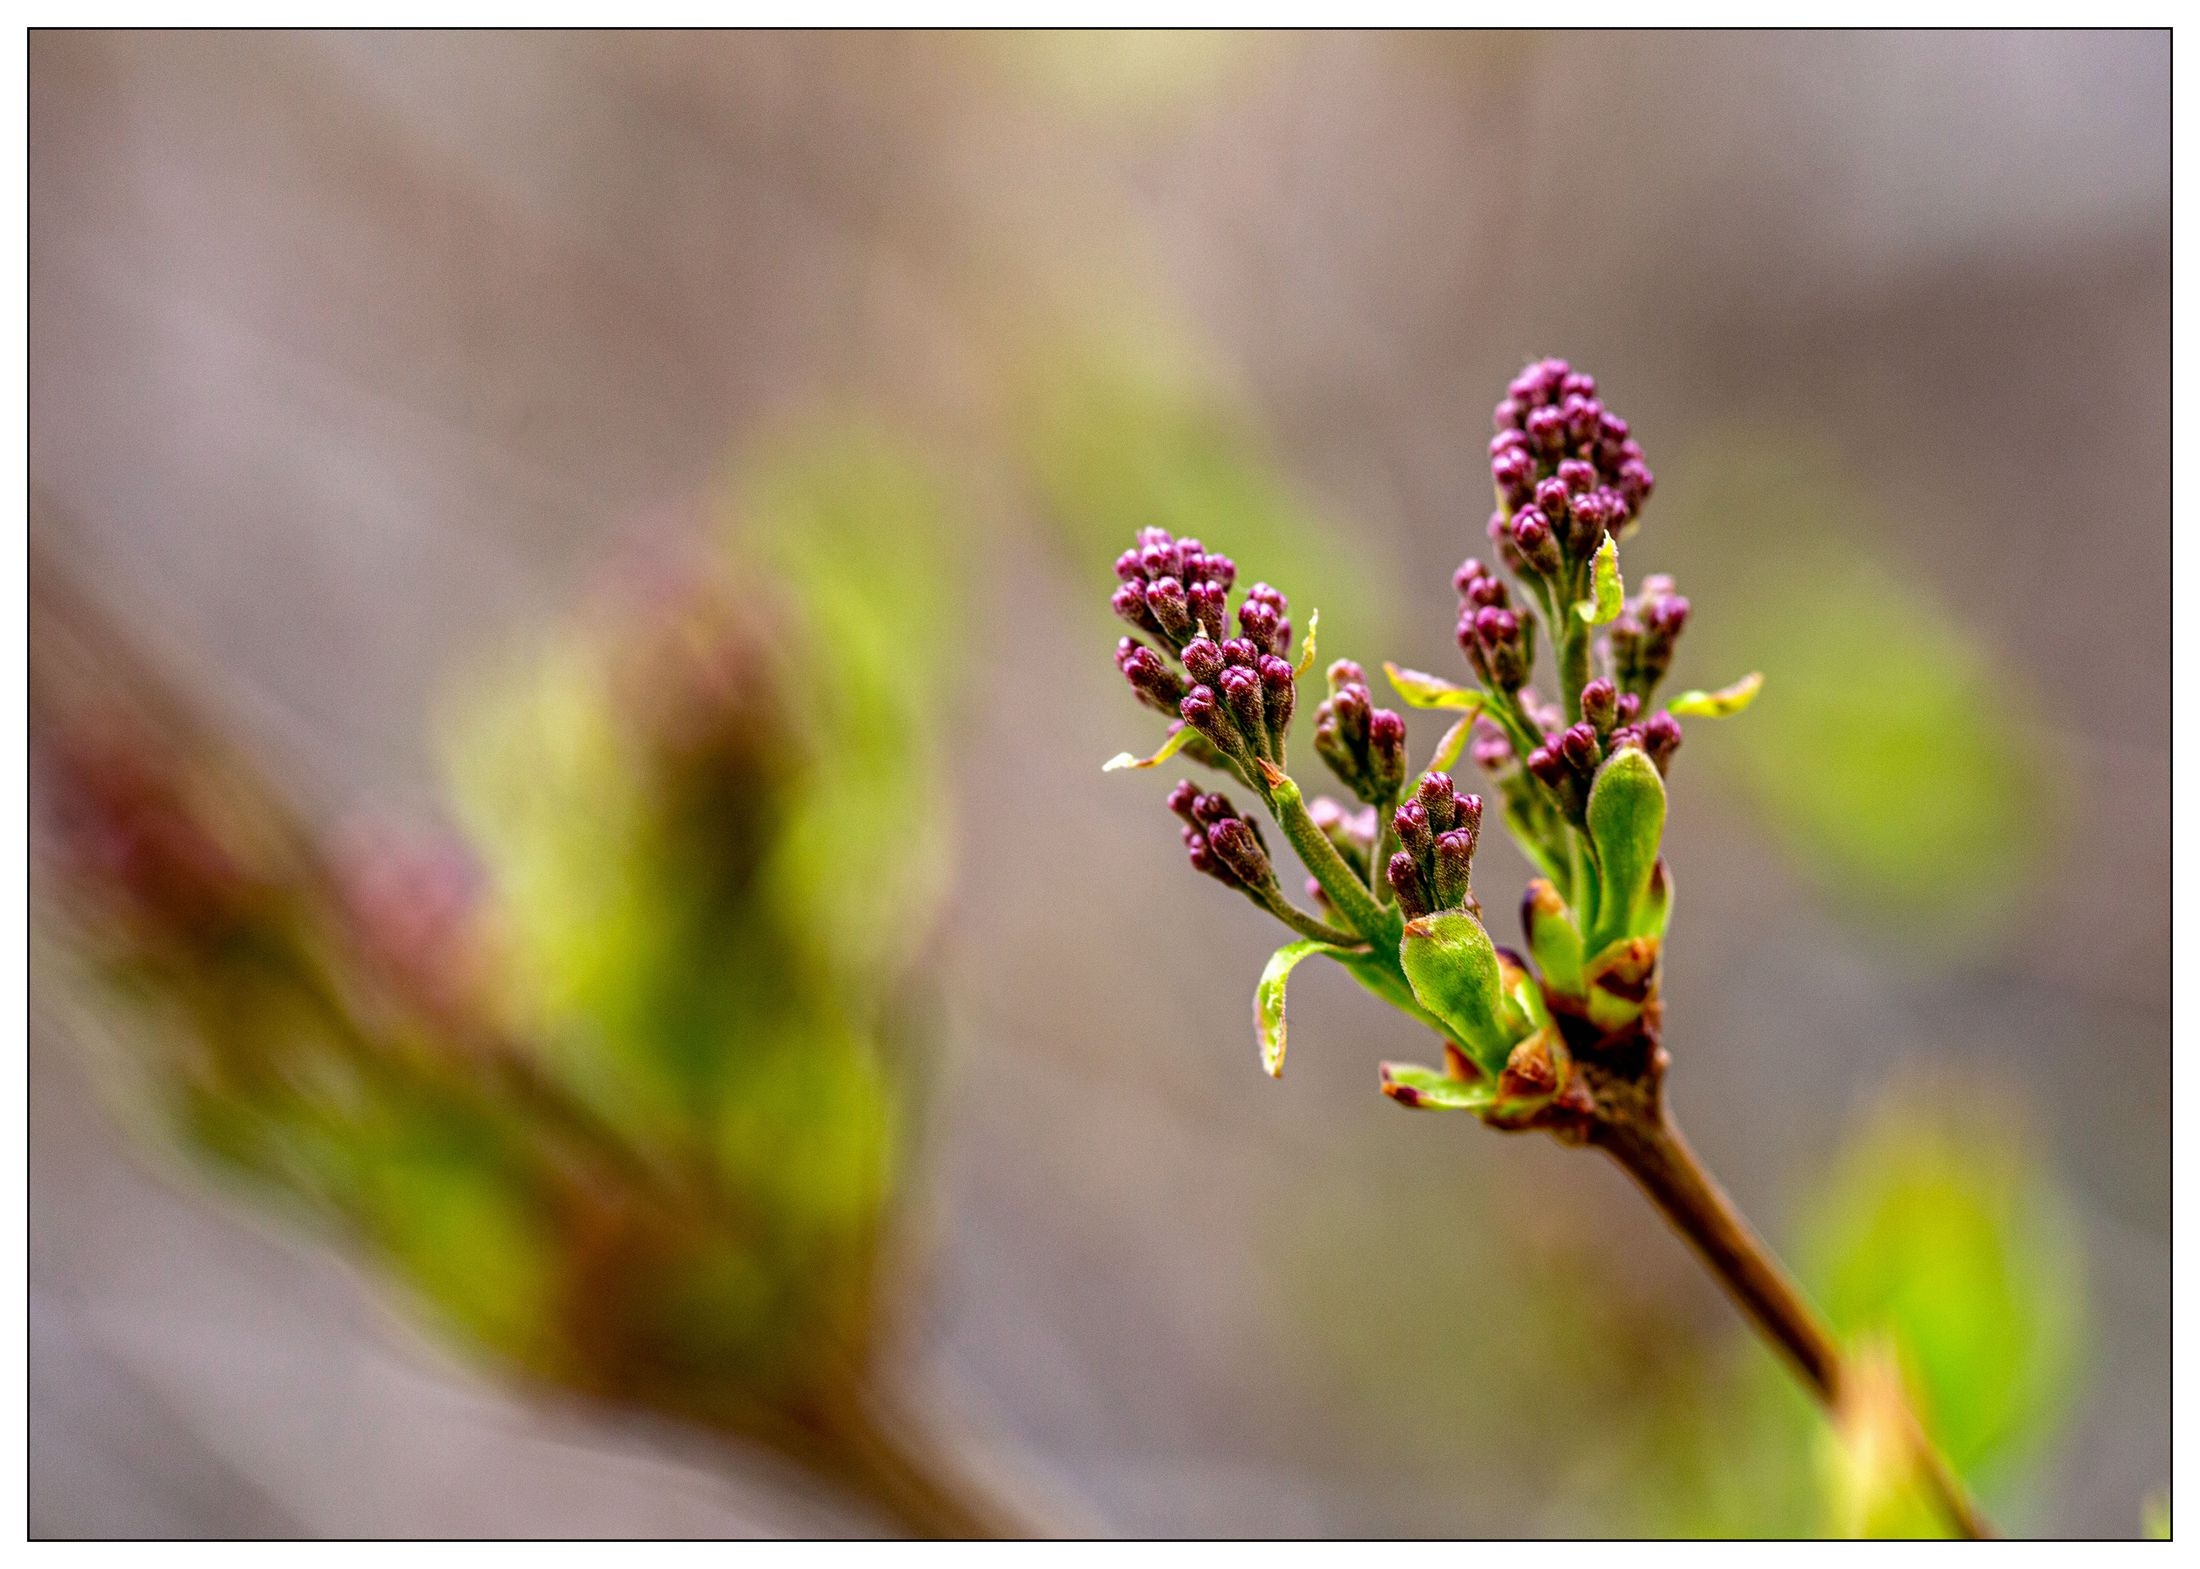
[1422,690]
[1606,591]
[1717,705]
[1169,748]
[1430,1089]
[1268,998]
[1306,659]
[1454,742]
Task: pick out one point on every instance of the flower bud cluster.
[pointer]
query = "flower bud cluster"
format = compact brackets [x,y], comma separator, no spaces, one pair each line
[1643,638]
[1364,746]
[1437,833]
[1218,841]
[1497,637]
[1238,693]
[1565,467]
[1568,760]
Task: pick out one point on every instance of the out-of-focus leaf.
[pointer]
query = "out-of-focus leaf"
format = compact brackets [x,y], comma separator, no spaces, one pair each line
[1606,592]
[1902,766]
[1422,690]
[1939,1230]
[1718,705]
[1178,738]
[1124,427]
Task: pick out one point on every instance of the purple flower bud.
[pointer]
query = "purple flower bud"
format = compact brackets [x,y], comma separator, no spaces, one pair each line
[1241,694]
[1127,567]
[1202,710]
[1582,417]
[1346,672]
[1492,750]
[1661,737]
[1241,651]
[1600,705]
[1239,848]
[1578,384]
[1262,594]
[1203,661]
[1579,747]
[1630,707]
[1350,705]
[1130,603]
[1203,858]
[1182,795]
[1514,472]
[1551,498]
[1210,609]
[1258,622]
[1506,416]
[1221,571]
[1386,750]
[1471,572]
[1158,686]
[1547,765]
[1405,882]
[1211,808]
[1494,626]
[1410,824]
[1546,429]
[1439,797]
[1578,475]
[1165,597]
[1453,858]
[1531,537]
[1280,693]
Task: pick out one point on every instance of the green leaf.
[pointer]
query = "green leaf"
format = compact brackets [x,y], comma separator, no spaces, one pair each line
[1452,967]
[1306,658]
[1941,1231]
[1268,998]
[1718,705]
[1606,592]
[1626,819]
[1422,690]
[1553,940]
[1430,1089]
[1179,738]
[1454,743]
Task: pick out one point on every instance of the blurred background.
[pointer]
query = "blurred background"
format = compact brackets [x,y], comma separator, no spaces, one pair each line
[364,368]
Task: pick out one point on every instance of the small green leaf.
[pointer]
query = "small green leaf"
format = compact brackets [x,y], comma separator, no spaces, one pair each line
[1306,659]
[1626,819]
[1422,690]
[1178,738]
[1454,743]
[1429,1089]
[1268,998]
[1606,591]
[1553,939]
[1717,705]
[1452,966]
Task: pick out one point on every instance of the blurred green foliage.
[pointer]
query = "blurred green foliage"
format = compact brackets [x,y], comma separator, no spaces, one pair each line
[1612,1405]
[1898,760]
[1128,429]
[633,1113]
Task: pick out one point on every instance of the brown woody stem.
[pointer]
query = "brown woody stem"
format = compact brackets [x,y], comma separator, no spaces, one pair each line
[1650,1149]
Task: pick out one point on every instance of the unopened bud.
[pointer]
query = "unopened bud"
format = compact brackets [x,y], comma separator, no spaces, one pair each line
[1405,881]
[1237,846]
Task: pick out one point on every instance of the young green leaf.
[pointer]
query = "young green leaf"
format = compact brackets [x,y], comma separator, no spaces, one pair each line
[1717,705]
[1452,967]
[1268,998]
[1553,939]
[1606,591]
[1453,744]
[1626,820]
[1306,659]
[1422,690]
[1428,1089]
[1178,739]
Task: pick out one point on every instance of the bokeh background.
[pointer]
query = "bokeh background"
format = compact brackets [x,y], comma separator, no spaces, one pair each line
[355,357]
